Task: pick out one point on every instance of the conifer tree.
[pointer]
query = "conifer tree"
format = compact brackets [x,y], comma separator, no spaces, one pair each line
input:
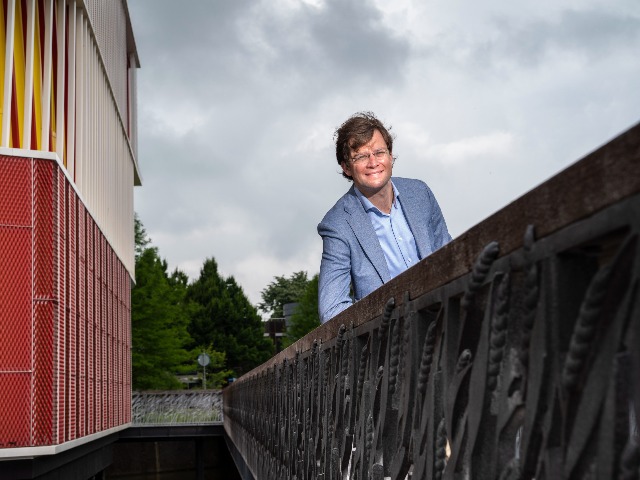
[223,317]
[158,319]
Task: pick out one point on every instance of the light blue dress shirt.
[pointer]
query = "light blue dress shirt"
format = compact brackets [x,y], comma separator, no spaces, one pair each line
[393,232]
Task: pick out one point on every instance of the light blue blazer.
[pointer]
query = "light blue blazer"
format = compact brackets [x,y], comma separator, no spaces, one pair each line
[351,252]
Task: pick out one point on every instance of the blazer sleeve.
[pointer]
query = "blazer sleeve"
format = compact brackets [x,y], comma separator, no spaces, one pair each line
[437,224]
[335,273]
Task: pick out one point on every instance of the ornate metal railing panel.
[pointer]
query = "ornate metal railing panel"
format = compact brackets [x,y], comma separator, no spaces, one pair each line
[176,407]
[525,365]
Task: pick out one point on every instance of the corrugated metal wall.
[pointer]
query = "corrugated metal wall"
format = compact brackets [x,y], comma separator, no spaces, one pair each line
[108,22]
[67,87]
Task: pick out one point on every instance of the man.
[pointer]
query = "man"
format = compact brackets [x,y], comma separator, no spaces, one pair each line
[380,227]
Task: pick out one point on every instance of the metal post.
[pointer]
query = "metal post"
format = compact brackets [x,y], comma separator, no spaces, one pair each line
[203,359]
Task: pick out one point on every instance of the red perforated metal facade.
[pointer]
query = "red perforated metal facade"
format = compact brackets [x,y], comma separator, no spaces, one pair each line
[64,325]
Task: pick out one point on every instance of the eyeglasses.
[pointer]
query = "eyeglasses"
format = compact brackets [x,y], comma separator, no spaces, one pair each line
[379,154]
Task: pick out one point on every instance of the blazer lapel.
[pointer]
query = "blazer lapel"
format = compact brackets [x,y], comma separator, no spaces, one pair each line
[414,212]
[363,230]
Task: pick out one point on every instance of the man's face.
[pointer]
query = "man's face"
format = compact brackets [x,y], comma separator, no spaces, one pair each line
[370,165]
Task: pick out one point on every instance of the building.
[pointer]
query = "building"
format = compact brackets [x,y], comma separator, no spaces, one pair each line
[67,171]
[276,328]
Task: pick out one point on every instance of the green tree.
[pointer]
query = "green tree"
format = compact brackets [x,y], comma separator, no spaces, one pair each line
[141,239]
[281,291]
[305,317]
[158,319]
[223,317]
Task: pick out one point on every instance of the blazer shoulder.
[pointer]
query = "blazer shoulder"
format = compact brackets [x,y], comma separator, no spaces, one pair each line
[341,208]
[401,182]
[412,186]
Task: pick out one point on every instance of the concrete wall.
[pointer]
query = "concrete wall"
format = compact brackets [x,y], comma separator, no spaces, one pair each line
[172,460]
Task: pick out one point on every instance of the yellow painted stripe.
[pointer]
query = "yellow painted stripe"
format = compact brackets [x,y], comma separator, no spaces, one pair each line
[52,96]
[19,72]
[3,45]
[37,81]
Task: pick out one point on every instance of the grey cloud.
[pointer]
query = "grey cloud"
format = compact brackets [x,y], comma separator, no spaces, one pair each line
[339,45]
[590,34]
[196,43]
[180,27]
[355,44]
[500,44]
[596,33]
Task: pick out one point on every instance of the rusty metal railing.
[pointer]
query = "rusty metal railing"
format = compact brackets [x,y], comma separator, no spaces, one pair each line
[512,352]
[176,407]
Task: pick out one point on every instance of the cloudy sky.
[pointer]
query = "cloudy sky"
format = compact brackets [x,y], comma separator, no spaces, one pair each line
[238,102]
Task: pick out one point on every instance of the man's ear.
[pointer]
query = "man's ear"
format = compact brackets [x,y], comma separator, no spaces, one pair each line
[346,168]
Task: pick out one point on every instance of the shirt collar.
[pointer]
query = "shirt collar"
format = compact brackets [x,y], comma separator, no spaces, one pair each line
[368,206]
